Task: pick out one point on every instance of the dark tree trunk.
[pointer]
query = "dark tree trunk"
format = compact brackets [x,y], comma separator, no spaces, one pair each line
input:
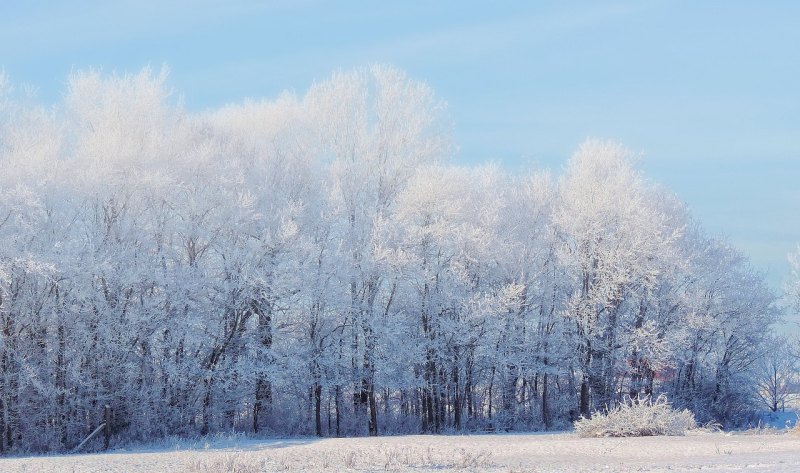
[373,411]
[491,396]
[585,401]
[545,403]
[207,399]
[456,396]
[338,406]
[317,410]
[61,384]
[263,392]
[107,426]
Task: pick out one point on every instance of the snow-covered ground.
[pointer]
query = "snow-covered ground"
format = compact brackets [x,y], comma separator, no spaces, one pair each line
[502,453]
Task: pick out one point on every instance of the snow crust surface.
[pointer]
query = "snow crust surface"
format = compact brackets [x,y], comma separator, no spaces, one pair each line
[709,452]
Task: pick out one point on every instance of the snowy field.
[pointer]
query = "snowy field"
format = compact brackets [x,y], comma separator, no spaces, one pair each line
[709,452]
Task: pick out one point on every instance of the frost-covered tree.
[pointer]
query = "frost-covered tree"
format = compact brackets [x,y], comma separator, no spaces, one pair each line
[376,127]
[721,333]
[793,287]
[775,375]
[613,242]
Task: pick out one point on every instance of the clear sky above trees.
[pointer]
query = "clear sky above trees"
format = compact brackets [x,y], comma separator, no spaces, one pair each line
[707,91]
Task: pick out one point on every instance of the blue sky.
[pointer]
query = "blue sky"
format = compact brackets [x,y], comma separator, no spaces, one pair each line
[709,92]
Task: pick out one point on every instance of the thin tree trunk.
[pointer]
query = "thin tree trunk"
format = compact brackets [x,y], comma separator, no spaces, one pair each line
[318,409]
[584,399]
[207,399]
[107,426]
[338,405]
[545,406]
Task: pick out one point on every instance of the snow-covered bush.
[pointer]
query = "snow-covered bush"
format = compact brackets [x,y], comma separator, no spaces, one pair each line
[637,418]
[796,429]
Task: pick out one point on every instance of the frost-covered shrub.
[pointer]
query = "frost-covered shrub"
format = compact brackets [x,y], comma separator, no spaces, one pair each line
[637,418]
[231,463]
[796,429]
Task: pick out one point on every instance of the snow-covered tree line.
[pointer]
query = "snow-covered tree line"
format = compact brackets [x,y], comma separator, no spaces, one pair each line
[316,265]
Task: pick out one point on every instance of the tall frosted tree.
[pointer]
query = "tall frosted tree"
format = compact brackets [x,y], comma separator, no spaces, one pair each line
[376,126]
[612,242]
